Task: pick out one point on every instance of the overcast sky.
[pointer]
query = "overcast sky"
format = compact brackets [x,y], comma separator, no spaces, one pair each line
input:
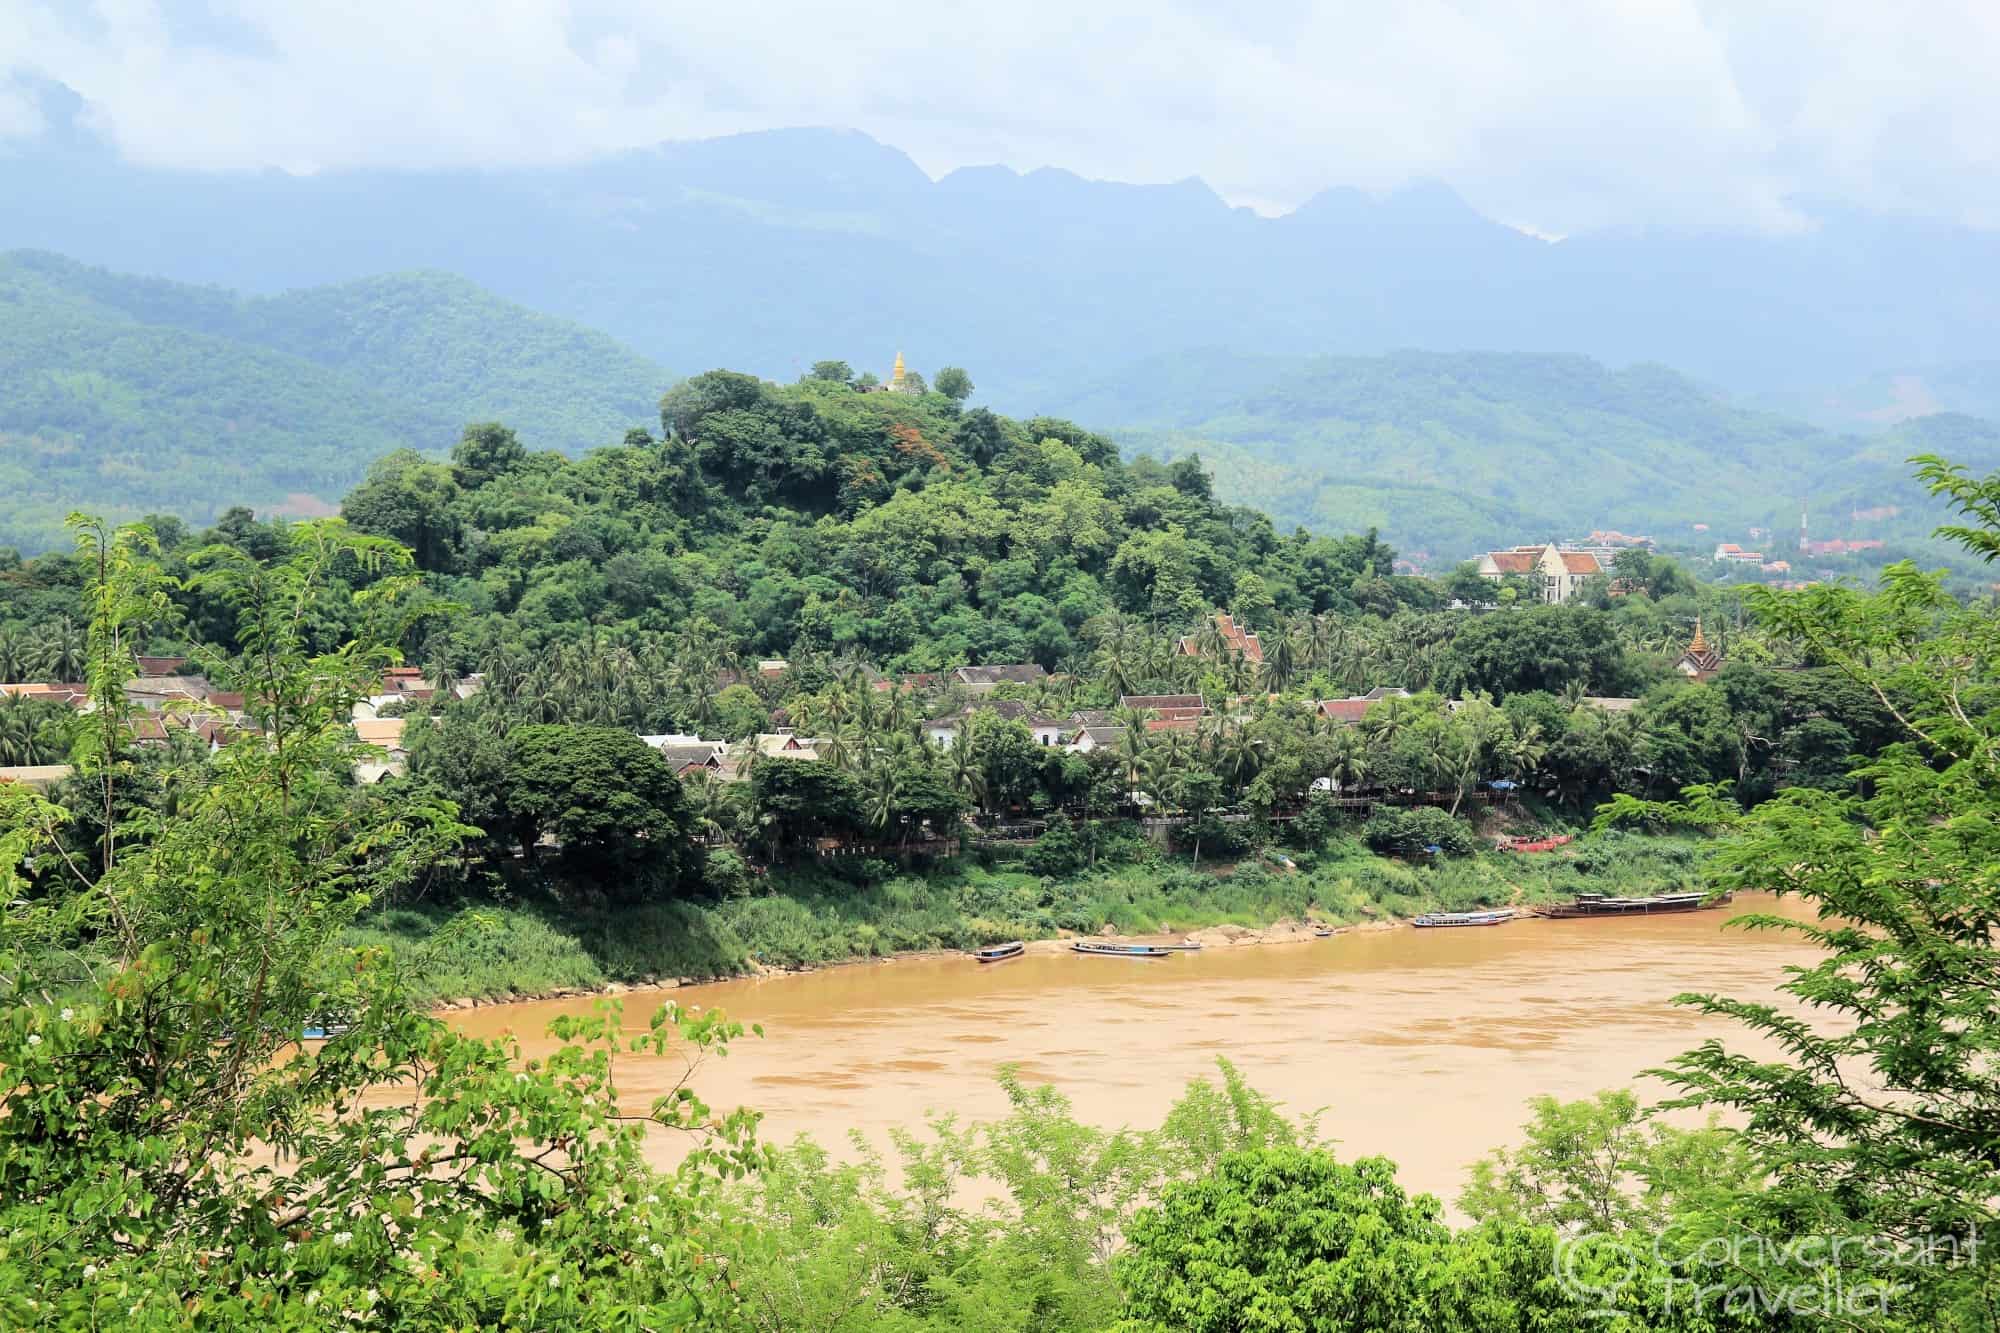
[1556,115]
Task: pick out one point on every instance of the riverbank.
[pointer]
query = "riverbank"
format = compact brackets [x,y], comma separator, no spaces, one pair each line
[811,918]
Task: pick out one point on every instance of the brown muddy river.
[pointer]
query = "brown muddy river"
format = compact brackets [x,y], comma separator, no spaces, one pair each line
[1423,1045]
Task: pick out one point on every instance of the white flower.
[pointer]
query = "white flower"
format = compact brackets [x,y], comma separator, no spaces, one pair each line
[657,1250]
[312,1298]
[554,1281]
[68,1014]
[89,1272]
[34,1039]
[342,1237]
[291,1245]
[505,1235]
[652,1198]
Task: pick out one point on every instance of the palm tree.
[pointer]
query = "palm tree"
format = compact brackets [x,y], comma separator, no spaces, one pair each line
[1242,756]
[17,732]
[885,789]
[442,677]
[1387,720]
[61,652]
[1525,750]
[1238,673]
[711,800]
[1349,759]
[14,656]
[1281,661]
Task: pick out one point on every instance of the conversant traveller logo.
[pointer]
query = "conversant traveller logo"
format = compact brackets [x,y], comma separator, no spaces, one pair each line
[1748,1273]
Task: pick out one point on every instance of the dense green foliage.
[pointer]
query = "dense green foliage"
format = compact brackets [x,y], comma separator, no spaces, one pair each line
[175,1155]
[137,395]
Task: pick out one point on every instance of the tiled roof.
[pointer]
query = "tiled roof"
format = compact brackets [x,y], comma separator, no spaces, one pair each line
[1580,562]
[1024,673]
[1512,562]
[1160,701]
[680,758]
[386,732]
[1172,723]
[1344,710]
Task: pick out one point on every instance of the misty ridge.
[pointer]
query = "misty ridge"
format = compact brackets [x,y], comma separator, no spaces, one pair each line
[769,250]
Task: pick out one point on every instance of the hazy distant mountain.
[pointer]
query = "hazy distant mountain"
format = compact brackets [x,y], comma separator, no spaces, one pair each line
[767,251]
[1449,453]
[1888,397]
[126,394]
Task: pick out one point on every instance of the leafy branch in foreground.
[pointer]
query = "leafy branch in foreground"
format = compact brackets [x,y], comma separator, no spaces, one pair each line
[173,1153]
[1879,1113]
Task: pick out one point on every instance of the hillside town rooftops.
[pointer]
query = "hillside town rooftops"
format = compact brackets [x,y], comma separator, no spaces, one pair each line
[1018,673]
[1235,640]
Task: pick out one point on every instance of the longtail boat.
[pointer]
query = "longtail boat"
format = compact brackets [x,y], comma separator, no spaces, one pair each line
[1323,931]
[994,953]
[1185,946]
[1488,918]
[1098,950]
[1603,904]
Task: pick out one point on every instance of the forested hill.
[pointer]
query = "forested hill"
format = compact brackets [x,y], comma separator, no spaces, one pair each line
[1447,453]
[815,518]
[129,395]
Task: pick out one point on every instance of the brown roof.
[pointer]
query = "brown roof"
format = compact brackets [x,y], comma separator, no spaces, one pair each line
[1345,710]
[1160,701]
[386,732]
[1580,562]
[1025,673]
[161,666]
[1235,639]
[1512,562]
[681,758]
[1172,723]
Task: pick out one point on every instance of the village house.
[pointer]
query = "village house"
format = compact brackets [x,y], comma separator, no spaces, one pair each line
[1171,707]
[986,679]
[1355,707]
[1729,553]
[386,735]
[1609,703]
[76,695]
[943,731]
[786,745]
[1556,573]
[1236,641]
[40,777]
[684,754]
[1088,739]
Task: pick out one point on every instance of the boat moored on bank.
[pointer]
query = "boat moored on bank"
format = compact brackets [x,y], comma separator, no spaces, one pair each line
[1494,917]
[1604,904]
[998,953]
[1098,949]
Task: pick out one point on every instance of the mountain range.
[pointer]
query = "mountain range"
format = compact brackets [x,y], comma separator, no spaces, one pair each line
[767,251]
[126,395]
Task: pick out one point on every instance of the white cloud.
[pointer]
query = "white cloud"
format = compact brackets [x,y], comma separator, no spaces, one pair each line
[1559,117]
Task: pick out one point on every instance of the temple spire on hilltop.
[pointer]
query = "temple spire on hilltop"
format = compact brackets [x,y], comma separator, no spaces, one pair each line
[1698,644]
[898,378]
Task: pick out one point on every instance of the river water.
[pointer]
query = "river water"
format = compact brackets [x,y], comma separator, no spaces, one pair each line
[1422,1045]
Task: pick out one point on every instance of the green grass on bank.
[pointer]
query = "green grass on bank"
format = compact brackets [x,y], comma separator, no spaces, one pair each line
[810,916]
